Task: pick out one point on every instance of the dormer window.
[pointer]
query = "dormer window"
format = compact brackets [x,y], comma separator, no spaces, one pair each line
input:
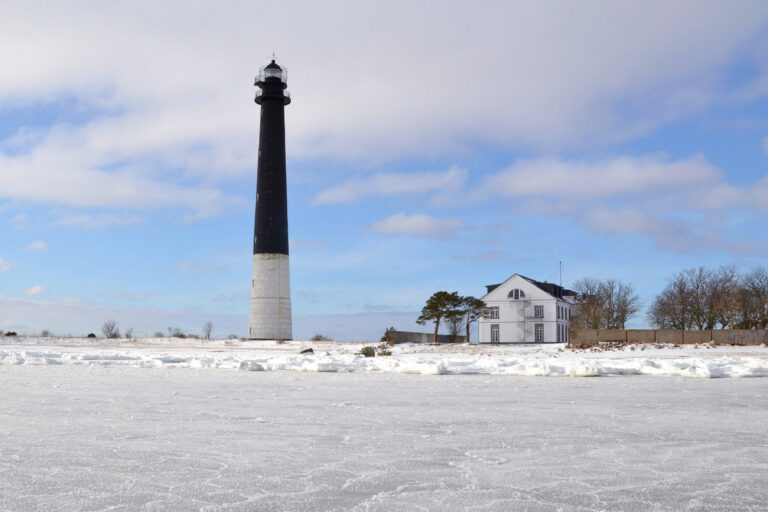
[516,294]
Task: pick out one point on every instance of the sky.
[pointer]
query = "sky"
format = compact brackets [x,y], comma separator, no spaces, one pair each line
[431,146]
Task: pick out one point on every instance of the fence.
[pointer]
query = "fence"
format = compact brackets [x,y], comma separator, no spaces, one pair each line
[422,337]
[718,337]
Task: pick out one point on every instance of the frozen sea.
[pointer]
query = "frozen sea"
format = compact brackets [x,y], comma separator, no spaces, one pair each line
[86,437]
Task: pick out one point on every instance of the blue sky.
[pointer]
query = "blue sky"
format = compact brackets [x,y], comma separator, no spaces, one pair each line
[446,149]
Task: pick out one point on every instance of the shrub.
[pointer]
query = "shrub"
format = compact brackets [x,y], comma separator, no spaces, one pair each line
[110,329]
[207,329]
[129,332]
[91,335]
[45,333]
[368,351]
[383,350]
[159,334]
[320,337]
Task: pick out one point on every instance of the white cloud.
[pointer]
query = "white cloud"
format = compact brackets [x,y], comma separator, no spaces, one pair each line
[35,290]
[417,224]
[120,295]
[67,176]
[528,74]
[669,234]
[4,265]
[388,184]
[583,181]
[70,299]
[37,246]
[164,112]
[96,221]
[20,220]
[680,204]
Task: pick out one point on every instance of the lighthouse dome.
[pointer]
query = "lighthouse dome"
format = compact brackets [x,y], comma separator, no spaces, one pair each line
[273,70]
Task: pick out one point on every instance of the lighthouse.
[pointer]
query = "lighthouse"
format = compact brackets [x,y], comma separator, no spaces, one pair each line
[270,310]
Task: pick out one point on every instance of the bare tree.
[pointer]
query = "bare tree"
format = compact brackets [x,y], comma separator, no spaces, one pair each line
[129,332]
[753,299]
[671,309]
[207,329]
[110,329]
[605,304]
[711,296]
[620,302]
[699,298]
[590,303]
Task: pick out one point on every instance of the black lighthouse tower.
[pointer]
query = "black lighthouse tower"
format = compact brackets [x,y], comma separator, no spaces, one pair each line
[270,309]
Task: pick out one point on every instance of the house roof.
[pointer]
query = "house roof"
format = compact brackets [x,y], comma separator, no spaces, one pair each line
[553,289]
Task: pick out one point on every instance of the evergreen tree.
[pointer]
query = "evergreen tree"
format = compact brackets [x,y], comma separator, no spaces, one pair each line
[439,305]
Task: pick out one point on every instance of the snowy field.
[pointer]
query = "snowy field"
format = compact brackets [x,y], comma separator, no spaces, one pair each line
[700,361]
[96,425]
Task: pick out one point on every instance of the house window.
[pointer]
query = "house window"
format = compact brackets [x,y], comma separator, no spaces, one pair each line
[494,311]
[538,311]
[565,333]
[539,333]
[559,332]
[494,333]
[516,294]
[558,312]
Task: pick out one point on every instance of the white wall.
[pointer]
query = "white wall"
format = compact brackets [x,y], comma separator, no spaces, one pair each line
[516,317]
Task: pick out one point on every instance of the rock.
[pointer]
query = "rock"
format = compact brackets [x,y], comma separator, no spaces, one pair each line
[307,351]
[10,333]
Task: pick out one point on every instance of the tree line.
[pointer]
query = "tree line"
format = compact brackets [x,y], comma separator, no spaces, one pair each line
[705,299]
[694,298]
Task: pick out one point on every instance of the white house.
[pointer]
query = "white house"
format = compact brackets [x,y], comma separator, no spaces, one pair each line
[522,310]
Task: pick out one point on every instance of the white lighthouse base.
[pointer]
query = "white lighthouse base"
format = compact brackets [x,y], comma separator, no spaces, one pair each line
[270,314]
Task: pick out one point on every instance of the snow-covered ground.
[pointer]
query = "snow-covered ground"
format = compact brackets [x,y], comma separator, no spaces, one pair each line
[77,437]
[527,360]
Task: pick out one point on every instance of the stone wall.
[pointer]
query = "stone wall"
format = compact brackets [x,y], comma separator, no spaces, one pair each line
[672,336]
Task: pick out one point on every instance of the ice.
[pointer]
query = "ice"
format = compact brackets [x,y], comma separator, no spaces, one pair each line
[108,434]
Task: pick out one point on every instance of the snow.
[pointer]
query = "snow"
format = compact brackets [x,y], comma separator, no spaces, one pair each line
[139,432]
[699,361]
